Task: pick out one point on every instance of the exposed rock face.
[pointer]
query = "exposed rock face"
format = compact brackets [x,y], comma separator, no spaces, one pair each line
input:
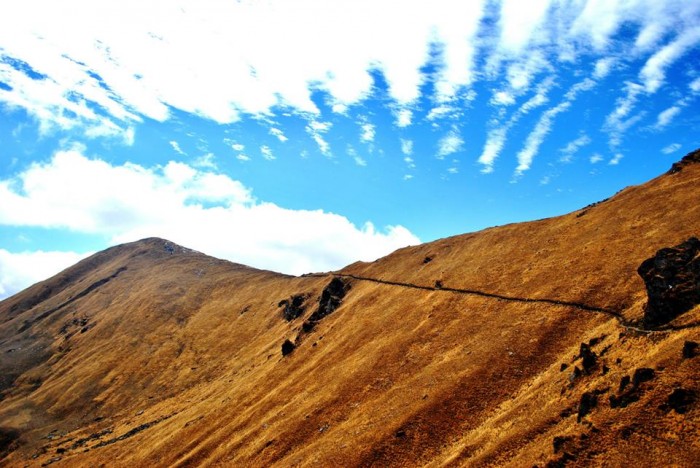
[331,298]
[672,279]
[589,400]
[293,307]
[690,158]
[690,349]
[680,400]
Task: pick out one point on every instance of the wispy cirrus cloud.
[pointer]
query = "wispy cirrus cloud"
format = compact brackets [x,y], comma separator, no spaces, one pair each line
[567,152]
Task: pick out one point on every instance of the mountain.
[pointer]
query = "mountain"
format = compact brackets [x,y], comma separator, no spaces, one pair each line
[569,341]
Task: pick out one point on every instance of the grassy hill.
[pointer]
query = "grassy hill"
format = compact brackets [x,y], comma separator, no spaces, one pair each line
[519,345]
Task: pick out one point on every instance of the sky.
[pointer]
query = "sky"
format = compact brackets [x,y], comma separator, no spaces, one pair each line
[304,135]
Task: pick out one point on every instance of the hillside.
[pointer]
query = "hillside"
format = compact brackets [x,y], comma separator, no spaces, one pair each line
[519,345]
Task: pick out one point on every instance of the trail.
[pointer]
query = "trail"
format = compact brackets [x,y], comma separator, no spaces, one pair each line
[473,292]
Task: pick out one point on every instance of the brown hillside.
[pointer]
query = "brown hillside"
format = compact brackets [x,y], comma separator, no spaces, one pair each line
[519,345]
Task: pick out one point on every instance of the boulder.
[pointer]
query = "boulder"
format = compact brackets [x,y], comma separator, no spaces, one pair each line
[672,280]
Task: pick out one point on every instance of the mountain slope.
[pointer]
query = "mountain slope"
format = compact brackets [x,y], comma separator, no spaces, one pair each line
[508,346]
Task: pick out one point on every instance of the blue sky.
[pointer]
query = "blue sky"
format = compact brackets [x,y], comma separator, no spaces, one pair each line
[304,135]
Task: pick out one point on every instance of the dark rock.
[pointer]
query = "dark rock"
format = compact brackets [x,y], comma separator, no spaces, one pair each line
[575,374]
[624,382]
[561,461]
[690,349]
[427,260]
[287,347]
[559,441]
[690,158]
[588,357]
[672,280]
[563,367]
[680,400]
[9,441]
[643,374]
[331,298]
[633,393]
[606,369]
[438,284]
[589,400]
[308,326]
[293,307]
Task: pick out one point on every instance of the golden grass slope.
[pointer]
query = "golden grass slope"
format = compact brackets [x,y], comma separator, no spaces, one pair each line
[149,354]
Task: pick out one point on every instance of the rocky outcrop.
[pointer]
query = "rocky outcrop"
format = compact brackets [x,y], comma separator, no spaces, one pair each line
[331,298]
[672,280]
[690,158]
[293,307]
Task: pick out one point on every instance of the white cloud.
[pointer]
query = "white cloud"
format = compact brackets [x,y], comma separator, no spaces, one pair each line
[665,117]
[206,161]
[356,157]
[695,85]
[521,22]
[409,162]
[536,137]
[408,177]
[653,74]
[595,158]
[404,118]
[243,157]
[406,146]
[449,144]
[104,66]
[617,122]
[603,67]
[316,129]
[672,148]
[573,146]
[20,270]
[266,152]
[496,137]
[176,147]
[616,159]
[503,98]
[237,147]
[203,210]
[279,134]
[368,131]
[544,125]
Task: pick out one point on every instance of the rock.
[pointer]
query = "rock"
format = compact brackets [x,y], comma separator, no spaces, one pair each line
[575,374]
[690,349]
[688,159]
[680,400]
[427,260]
[672,280]
[588,358]
[643,374]
[293,307]
[563,367]
[624,382]
[287,347]
[559,442]
[589,400]
[331,298]
[438,284]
